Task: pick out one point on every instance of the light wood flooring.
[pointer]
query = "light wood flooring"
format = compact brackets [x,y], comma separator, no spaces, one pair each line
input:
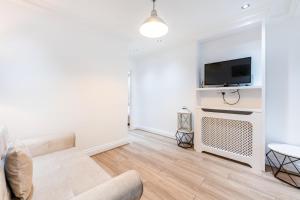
[169,172]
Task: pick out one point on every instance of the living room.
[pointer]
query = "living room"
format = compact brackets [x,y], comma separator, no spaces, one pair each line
[74,75]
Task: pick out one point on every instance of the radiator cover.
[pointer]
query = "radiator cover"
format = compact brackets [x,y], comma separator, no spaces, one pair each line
[233,136]
[236,135]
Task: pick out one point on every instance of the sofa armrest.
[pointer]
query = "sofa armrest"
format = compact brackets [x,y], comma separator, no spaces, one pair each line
[49,144]
[127,186]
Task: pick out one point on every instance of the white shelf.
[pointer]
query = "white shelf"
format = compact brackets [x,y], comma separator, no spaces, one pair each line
[229,88]
[256,110]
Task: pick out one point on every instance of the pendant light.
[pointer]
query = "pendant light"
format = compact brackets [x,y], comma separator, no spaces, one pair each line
[154,26]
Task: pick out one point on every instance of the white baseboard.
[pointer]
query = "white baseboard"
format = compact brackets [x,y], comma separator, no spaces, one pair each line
[156,131]
[105,147]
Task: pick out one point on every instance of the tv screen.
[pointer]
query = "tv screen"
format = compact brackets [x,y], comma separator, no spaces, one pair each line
[231,72]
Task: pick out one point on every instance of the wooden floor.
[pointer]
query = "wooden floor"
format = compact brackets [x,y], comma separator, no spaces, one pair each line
[169,172]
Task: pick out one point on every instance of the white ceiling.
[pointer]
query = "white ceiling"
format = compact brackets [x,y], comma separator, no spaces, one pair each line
[192,19]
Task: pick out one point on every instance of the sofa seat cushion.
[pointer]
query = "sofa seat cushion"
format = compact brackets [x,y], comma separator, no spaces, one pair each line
[65,174]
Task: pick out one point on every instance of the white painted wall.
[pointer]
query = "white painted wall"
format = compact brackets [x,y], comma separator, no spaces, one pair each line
[282,80]
[163,82]
[166,80]
[58,76]
[237,45]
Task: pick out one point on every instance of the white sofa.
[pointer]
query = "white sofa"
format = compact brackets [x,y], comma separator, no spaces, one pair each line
[63,172]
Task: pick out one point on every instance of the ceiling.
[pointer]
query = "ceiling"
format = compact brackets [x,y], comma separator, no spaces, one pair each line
[188,19]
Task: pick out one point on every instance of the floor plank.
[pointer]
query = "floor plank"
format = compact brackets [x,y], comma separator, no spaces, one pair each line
[172,173]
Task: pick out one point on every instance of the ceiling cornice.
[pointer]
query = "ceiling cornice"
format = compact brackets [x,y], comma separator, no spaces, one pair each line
[37,4]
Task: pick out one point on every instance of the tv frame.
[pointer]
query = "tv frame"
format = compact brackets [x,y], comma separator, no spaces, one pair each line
[228,85]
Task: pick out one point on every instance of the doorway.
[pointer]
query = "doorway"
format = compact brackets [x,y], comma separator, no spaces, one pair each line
[129,99]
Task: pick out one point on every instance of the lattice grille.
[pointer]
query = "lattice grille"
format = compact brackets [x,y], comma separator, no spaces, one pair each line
[229,135]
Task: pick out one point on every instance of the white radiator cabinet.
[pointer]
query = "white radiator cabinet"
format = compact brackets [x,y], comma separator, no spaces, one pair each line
[231,136]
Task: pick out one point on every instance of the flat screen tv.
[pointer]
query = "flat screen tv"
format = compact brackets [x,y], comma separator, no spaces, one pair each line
[226,73]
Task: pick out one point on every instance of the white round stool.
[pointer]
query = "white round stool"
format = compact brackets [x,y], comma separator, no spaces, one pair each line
[290,154]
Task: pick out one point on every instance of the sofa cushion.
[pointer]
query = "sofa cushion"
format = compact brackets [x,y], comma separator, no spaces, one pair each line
[65,174]
[49,144]
[18,170]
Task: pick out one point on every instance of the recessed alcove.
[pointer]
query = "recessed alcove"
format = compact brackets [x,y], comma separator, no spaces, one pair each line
[248,113]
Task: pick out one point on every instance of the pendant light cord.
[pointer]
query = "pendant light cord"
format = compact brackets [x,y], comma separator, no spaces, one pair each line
[154,4]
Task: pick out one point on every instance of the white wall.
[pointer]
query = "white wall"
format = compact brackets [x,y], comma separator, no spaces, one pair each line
[59,76]
[237,45]
[166,80]
[282,80]
[163,82]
